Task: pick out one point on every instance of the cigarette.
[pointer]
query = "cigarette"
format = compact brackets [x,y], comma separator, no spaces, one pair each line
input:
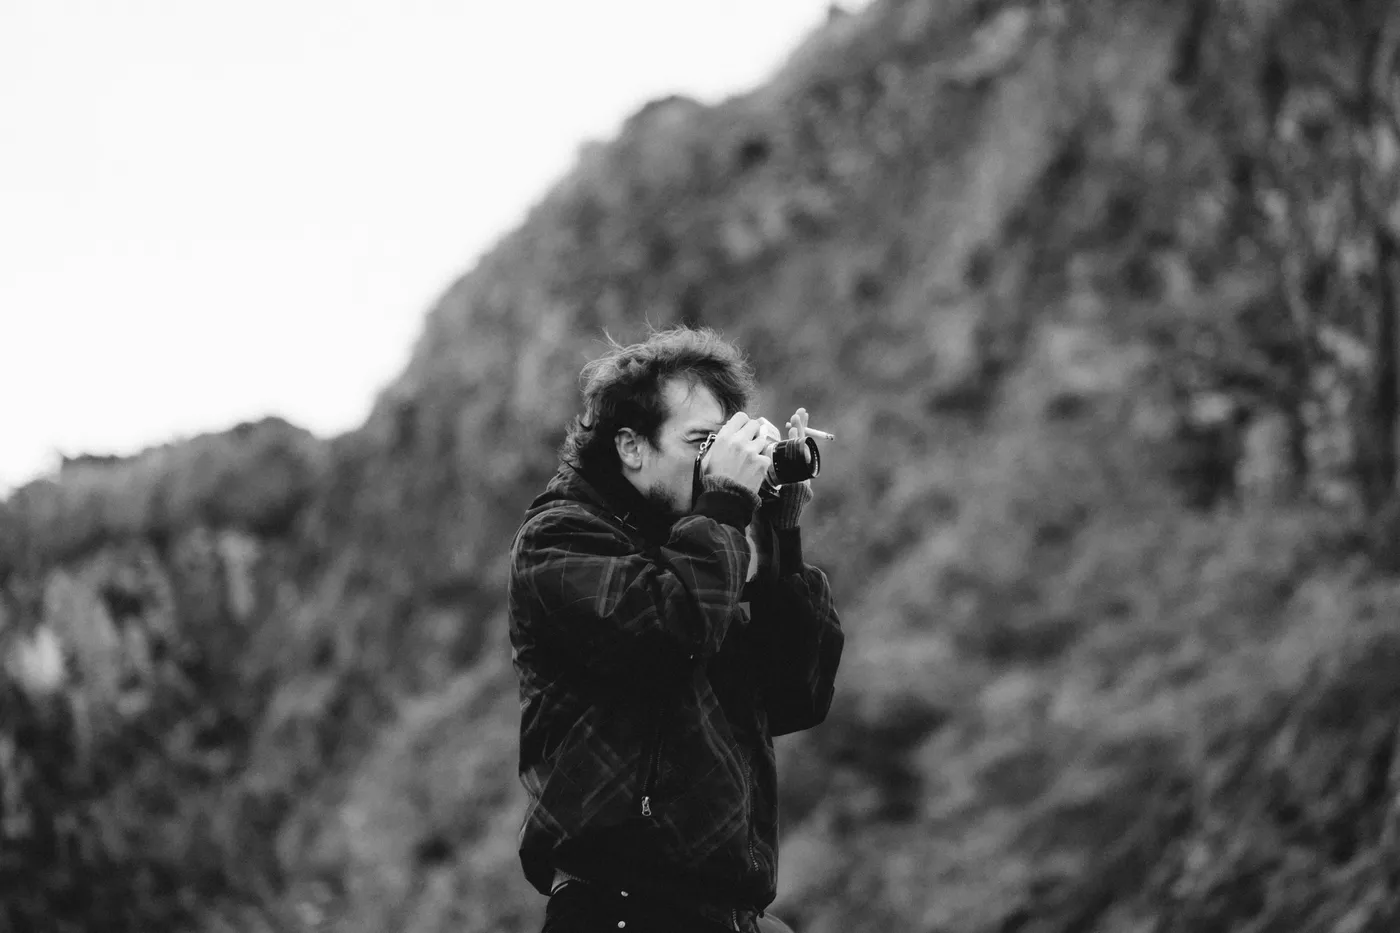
[822,434]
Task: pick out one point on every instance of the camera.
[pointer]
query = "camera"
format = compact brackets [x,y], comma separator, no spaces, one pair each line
[793,460]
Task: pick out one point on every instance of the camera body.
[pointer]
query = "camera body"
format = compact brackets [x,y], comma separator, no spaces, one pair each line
[793,460]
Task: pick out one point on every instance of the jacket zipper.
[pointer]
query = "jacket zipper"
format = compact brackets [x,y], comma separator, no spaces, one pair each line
[748,805]
[748,809]
[653,765]
[653,762]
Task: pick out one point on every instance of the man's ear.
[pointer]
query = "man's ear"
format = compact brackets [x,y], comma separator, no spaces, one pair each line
[629,448]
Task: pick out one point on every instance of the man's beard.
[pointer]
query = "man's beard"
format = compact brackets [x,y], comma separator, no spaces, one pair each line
[665,505]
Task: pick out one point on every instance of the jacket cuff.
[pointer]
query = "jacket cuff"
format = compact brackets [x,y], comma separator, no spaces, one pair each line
[789,551]
[726,501]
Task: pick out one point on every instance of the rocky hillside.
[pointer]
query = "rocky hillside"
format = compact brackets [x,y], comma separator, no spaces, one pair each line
[1120,640]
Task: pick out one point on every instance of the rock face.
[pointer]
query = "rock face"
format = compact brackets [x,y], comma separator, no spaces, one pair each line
[1109,667]
[130,624]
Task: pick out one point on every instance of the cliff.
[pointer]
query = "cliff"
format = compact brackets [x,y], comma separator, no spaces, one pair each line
[1119,657]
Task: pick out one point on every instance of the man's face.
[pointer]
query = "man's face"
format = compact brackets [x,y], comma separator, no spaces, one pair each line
[664,472]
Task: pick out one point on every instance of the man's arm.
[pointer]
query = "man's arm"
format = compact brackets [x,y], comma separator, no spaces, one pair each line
[586,592]
[797,640]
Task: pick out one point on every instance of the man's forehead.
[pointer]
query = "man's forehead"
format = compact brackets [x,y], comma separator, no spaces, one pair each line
[692,405]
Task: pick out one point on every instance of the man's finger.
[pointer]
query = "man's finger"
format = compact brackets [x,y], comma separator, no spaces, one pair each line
[761,444]
[753,429]
[733,425]
[797,427]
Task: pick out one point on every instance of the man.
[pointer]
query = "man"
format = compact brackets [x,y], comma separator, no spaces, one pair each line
[664,628]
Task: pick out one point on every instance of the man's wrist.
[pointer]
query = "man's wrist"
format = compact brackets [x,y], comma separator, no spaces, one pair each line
[786,507]
[726,501]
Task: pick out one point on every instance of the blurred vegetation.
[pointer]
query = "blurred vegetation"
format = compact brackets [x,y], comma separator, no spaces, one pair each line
[135,591]
[1098,297]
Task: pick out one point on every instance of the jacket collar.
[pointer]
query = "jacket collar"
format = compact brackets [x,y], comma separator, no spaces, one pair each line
[612,492]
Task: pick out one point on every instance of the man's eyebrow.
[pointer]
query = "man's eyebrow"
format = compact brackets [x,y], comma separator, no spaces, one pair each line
[701,429]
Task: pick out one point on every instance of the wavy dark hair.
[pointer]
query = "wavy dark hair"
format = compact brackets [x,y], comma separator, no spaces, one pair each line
[623,389]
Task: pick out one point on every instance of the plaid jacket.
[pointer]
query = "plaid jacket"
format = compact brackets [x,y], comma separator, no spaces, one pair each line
[652,682]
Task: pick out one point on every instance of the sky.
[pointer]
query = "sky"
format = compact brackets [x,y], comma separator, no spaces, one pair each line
[216,210]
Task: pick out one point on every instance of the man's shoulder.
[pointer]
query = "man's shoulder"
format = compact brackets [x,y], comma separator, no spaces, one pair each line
[565,517]
[566,512]
[568,497]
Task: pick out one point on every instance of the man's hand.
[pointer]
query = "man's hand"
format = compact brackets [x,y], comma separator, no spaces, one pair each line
[793,497]
[739,452]
[797,427]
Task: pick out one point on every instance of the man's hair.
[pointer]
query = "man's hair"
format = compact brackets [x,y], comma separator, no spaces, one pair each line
[623,388]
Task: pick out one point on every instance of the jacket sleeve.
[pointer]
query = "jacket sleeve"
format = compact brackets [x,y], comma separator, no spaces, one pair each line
[797,640]
[586,591]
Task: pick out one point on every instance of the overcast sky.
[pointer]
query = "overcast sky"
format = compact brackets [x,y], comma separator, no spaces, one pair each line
[215,210]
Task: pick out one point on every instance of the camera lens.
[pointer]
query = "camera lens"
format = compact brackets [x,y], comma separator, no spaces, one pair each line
[794,461]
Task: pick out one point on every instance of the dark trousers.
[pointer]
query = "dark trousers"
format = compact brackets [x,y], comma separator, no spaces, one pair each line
[578,907]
